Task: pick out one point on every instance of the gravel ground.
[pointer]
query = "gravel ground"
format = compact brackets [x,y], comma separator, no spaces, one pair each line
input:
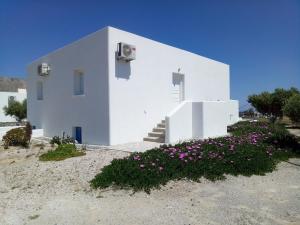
[34,192]
[295,132]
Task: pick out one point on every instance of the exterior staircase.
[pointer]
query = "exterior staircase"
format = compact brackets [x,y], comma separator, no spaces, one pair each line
[158,133]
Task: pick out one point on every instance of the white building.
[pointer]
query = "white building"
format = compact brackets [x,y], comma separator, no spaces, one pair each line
[11,89]
[87,90]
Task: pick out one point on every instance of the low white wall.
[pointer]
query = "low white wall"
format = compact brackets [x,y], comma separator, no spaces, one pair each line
[214,119]
[37,133]
[233,112]
[197,120]
[179,124]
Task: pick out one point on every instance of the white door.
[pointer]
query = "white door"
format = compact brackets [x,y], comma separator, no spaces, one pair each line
[178,87]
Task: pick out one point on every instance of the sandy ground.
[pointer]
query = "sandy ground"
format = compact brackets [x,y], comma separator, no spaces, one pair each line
[34,192]
[295,132]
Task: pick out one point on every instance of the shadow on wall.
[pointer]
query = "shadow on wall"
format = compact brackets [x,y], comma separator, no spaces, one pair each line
[122,69]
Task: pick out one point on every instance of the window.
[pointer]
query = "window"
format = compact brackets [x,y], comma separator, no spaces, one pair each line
[11,99]
[39,90]
[78,83]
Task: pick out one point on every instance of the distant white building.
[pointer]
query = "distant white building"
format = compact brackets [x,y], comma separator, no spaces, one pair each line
[114,87]
[6,97]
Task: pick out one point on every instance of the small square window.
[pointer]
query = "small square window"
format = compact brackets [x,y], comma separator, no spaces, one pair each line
[78,83]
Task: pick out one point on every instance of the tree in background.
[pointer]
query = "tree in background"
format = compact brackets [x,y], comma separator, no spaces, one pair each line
[272,104]
[280,97]
[262,103]
[292,108]
[16,109]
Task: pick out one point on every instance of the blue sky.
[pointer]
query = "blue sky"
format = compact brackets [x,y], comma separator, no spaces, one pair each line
[260,39]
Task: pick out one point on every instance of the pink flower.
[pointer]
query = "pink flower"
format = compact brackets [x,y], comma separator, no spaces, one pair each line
[160,168]
[142,166]
[136,157]
[181,155]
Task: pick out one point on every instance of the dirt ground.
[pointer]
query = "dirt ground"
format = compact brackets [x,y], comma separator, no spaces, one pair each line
[34,192]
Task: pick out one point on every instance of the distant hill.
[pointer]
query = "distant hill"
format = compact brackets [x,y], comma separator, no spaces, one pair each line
[11,84]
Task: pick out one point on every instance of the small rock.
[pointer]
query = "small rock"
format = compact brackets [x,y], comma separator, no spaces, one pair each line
[33,217]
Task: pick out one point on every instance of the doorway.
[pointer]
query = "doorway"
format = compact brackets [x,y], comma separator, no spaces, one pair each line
[178,91]
[77,134]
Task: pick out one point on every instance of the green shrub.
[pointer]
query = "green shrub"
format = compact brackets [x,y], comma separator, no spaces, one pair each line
[55,140]
[64,140]
[16,109]
[254,148]
[63,151]
[292,108]
[281,138]
[17,137]
[67,140]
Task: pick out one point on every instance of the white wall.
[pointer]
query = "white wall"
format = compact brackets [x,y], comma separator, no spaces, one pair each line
[122,101]
[197,120]
[140,92]
[19,96]
[60,110]
[214,119]
[233,112]
[179,123]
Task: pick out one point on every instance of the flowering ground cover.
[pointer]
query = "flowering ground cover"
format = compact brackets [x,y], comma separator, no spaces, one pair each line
[252,148]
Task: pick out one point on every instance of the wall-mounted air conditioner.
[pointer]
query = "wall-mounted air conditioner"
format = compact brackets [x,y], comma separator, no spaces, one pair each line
[44,69]
[126,52]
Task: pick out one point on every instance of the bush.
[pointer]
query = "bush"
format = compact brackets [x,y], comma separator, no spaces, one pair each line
[281,138]
[292,108]
[63,151]
[28,131]
[55,140]
[17,137]
[64,140]
[254,148]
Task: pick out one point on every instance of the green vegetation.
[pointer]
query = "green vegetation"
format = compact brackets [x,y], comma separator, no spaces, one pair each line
[64,140]
[292,108]
[62,152]
[272,104]
[253,148]
[18,136]
[16,109]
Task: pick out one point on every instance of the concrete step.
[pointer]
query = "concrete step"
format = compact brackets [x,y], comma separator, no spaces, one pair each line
[155,139]
[161,125]
[156,134]
[158,129]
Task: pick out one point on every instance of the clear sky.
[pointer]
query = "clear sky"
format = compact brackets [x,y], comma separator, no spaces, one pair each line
[259,39]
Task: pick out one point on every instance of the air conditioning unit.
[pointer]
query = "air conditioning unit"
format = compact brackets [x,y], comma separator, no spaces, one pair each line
[126,52]
[44,69]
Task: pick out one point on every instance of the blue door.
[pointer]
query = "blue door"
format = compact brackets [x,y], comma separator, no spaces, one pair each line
[78,135]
